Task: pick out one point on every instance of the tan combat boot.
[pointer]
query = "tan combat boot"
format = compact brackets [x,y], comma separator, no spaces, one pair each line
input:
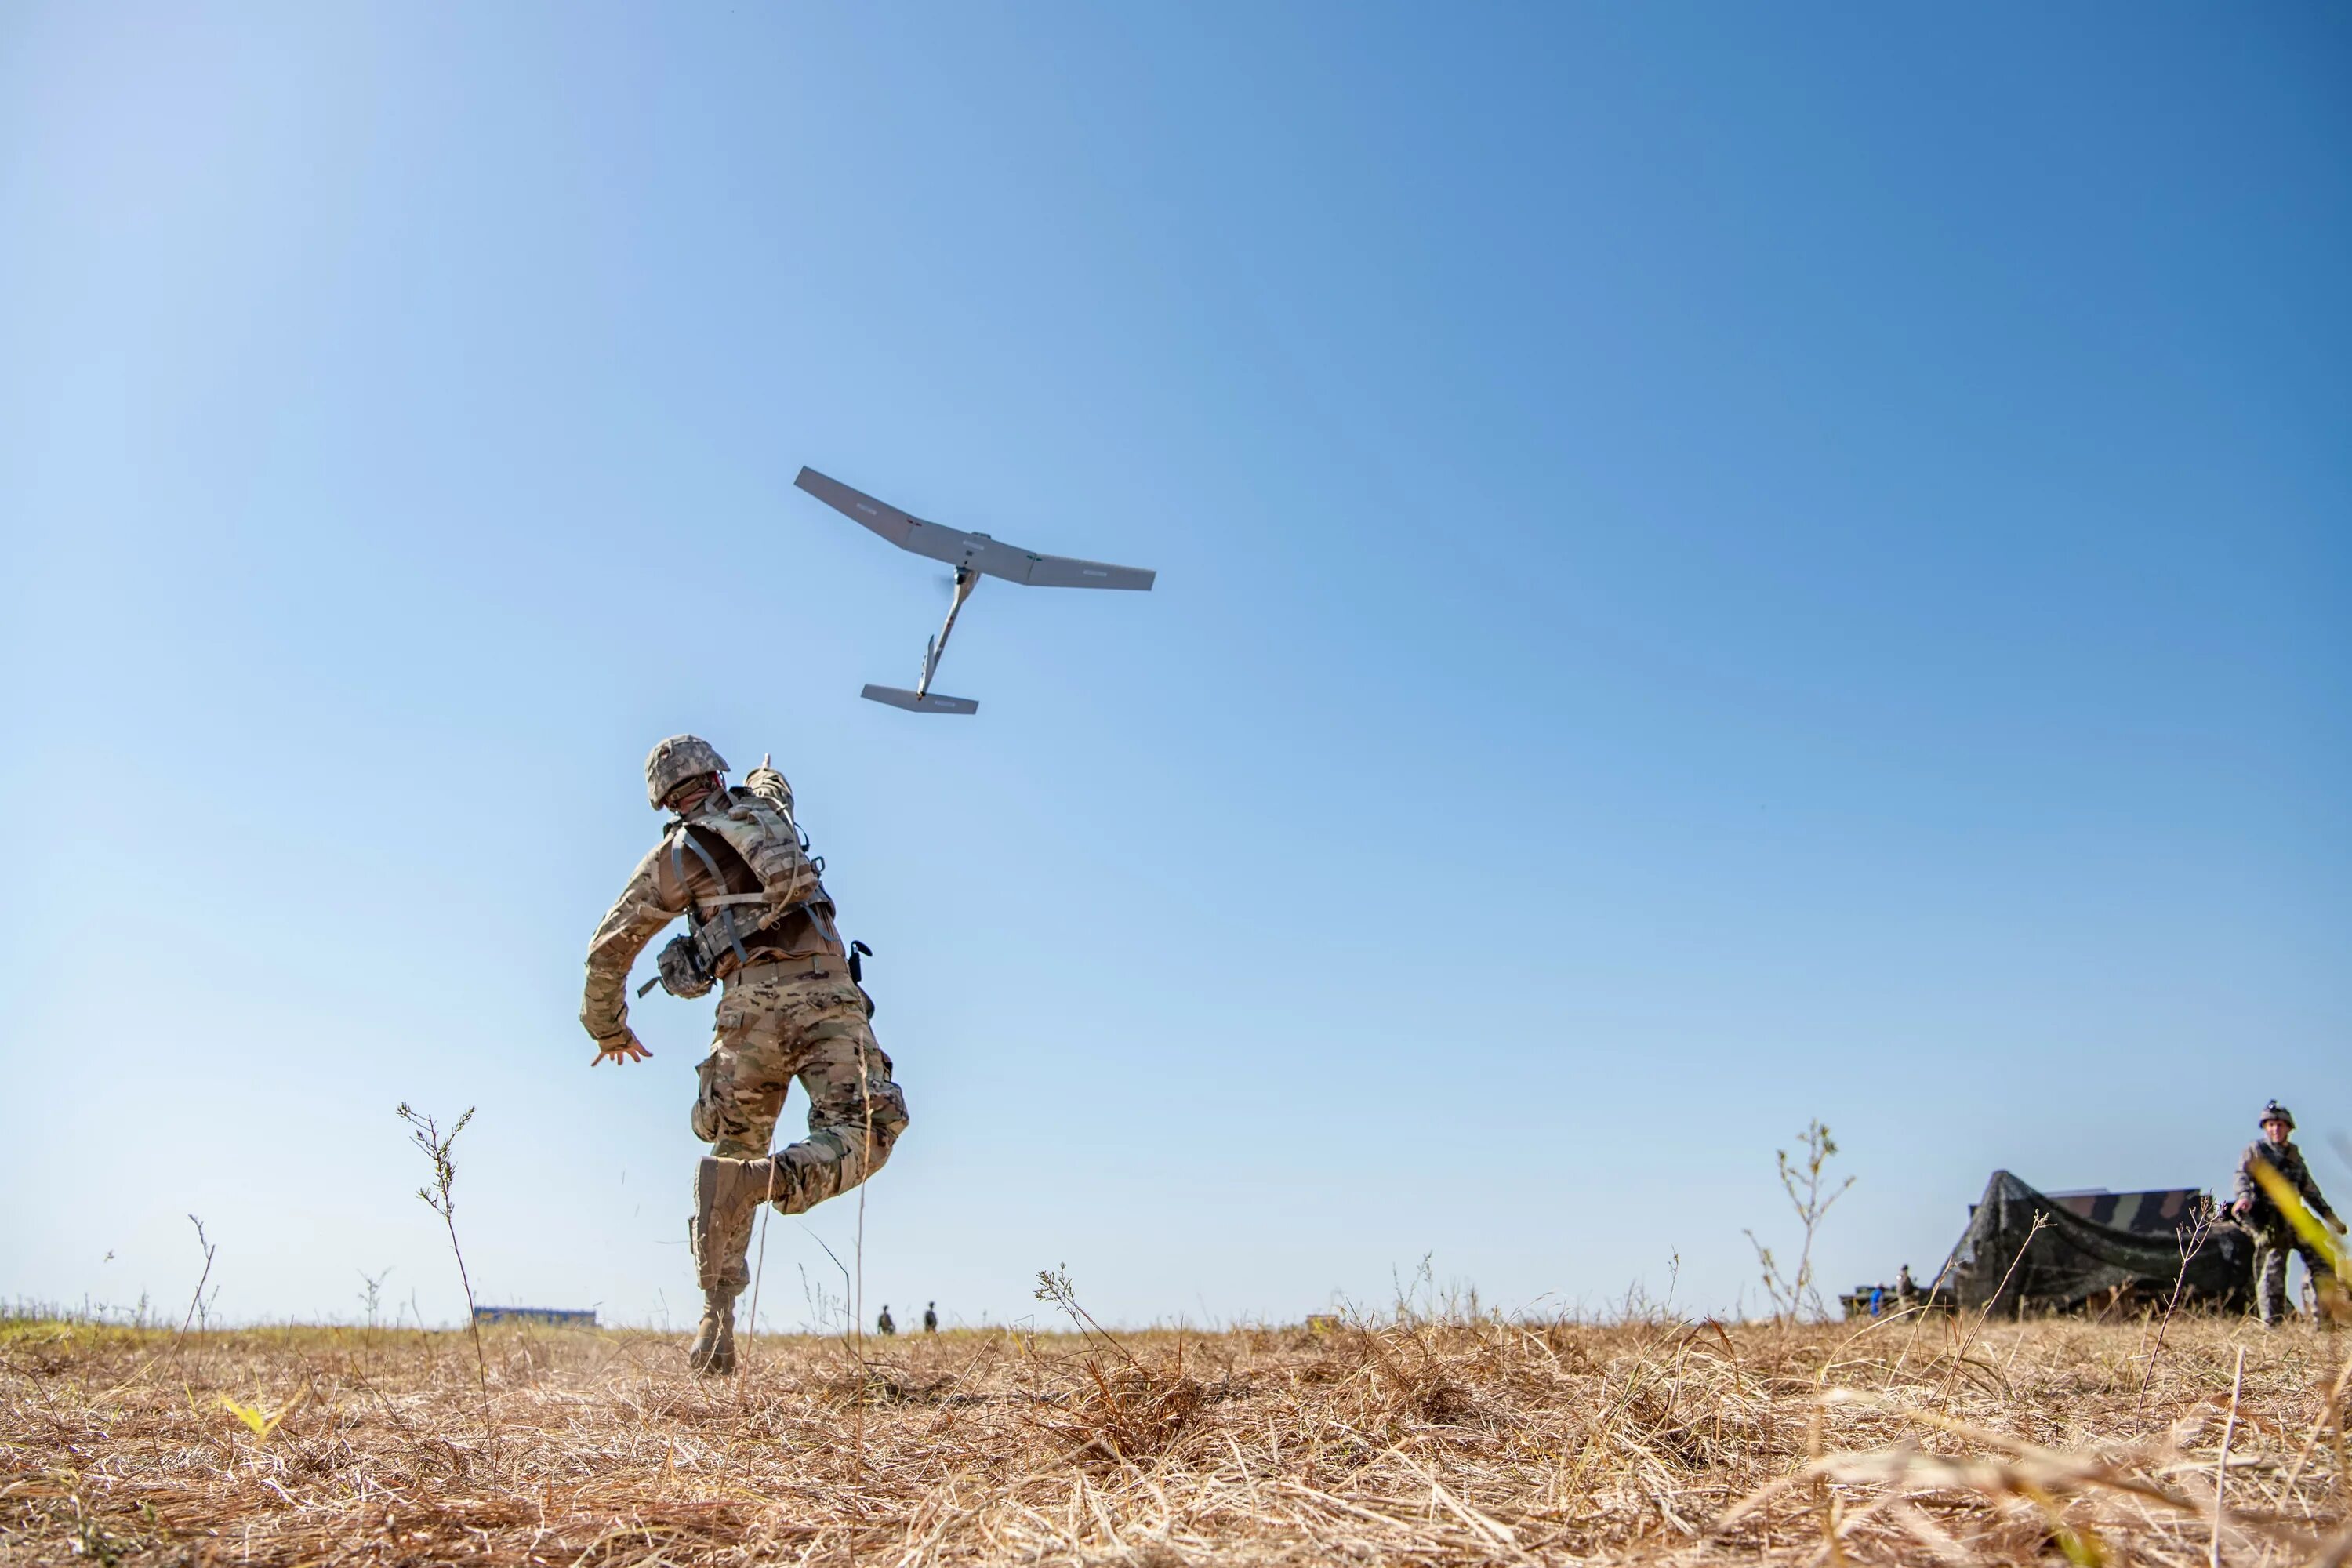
[713,1350]
[727,1195]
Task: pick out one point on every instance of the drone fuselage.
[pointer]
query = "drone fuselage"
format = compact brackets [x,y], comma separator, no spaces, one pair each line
[966,580]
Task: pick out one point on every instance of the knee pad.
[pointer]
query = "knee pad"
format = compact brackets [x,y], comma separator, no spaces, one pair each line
[889,1104]
[703,1120]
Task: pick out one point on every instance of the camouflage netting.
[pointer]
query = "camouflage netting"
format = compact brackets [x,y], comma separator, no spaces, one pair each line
[2075,1259]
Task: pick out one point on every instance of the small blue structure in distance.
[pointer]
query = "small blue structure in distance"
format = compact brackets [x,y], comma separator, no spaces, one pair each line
[564,1317]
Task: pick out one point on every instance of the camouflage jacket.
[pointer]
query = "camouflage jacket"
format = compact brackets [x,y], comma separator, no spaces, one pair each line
[2287,1160]
[744,853]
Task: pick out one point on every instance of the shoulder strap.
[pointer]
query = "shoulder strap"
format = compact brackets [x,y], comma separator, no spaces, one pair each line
[681,840]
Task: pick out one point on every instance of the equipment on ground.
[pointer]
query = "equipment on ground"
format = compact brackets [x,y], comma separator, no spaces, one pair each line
[973,556]
[2094,1247]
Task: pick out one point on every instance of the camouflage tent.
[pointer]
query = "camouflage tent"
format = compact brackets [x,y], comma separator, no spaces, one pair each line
[2093,1248]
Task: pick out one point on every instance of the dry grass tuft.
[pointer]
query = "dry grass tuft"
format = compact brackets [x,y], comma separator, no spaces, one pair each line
[1412,1441]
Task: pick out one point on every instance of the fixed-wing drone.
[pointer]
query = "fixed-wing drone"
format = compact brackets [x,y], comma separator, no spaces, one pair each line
[973,556]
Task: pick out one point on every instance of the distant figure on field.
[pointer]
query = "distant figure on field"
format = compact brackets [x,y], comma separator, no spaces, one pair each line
[759,927]
[1906,1293]
[2274,1235]
[930,1317]
[883,1325]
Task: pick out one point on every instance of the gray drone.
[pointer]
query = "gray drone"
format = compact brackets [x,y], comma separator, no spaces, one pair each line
[973,556]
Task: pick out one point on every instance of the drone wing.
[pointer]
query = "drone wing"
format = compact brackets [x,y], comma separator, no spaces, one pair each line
[906,533]
[1015,565]
[977,551]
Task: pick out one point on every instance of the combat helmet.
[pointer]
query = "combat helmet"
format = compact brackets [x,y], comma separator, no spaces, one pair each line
[677,760]
[2274,1111]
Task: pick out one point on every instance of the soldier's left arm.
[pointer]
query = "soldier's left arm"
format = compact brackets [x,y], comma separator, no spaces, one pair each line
[644,907]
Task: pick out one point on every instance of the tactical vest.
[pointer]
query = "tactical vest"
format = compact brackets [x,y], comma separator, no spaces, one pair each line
[770,843]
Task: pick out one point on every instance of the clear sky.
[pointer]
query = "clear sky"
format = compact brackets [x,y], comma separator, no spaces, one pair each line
[1718,565]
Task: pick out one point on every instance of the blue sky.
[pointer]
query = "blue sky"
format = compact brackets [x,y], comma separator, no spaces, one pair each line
[1718,566]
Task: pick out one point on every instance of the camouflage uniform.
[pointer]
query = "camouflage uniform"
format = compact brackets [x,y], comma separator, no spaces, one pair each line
[2274,1239]
[762,925]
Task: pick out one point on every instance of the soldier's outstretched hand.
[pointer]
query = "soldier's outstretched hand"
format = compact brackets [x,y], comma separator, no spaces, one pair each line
[623,1047]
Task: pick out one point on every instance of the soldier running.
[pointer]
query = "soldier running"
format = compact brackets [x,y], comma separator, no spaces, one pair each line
[2274,1237]
[760,926]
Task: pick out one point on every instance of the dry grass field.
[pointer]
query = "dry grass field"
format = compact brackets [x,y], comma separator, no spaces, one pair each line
[1405,1440]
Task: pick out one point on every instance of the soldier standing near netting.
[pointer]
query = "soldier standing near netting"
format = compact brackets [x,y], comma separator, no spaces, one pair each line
[760,925]
[2274,1237]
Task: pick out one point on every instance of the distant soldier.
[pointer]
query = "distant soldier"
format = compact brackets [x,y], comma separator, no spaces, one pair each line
[1906,1293]
[2274,1237]
[930,1317]
[883,1325]
[760,926]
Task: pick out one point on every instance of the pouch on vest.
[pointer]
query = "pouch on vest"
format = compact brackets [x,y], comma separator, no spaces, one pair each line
[683,973]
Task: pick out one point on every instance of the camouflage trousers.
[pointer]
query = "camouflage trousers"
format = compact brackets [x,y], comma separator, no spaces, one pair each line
[769,1031]
[2271,1247]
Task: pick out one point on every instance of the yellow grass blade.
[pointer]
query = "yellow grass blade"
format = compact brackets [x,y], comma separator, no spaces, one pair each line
[260,1424]
[249,1414]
